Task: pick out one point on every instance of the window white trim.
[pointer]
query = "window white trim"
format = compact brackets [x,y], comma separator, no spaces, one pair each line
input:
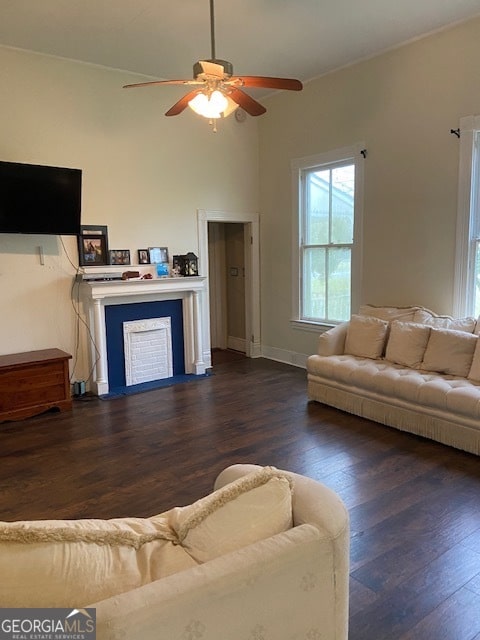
[463,285]
[298,165]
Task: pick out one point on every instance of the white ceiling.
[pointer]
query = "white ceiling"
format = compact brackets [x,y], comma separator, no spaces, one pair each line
[162,39]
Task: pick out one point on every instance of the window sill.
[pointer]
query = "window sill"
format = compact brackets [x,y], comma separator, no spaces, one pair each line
[308,325]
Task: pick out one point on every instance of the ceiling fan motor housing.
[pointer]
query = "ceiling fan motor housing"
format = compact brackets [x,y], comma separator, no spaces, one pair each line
[227,67]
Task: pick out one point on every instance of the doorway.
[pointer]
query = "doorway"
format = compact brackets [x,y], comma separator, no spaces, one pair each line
[226,251]
[229,253]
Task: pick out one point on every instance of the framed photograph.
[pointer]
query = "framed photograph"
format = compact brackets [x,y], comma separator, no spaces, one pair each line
[143,256]
[94,230]
[119,256]
[162,269]
[93,245]
[158,254]
[92,250]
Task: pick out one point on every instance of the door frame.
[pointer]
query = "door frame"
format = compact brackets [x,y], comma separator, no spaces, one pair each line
[251,222]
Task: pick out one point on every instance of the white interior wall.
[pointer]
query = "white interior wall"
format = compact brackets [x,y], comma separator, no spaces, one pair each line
[402,104]
[144,176]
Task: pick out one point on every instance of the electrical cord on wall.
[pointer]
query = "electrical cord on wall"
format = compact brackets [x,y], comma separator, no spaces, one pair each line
[75,301]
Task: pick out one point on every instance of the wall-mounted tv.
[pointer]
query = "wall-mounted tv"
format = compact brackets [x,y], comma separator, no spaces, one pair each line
[40,199]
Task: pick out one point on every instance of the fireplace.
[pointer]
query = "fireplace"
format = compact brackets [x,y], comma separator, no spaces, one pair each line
[113,305]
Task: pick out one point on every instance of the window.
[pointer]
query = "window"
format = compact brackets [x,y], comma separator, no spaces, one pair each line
[467,262]
[327,273]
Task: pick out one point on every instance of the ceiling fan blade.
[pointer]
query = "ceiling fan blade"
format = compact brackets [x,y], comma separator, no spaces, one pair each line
[154,82]
[247,103]
[182,104]
[269,83]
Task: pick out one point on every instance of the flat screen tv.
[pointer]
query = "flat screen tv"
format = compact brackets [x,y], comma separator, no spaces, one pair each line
[39,199]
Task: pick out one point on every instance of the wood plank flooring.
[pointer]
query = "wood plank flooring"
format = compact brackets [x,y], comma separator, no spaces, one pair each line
[414,504]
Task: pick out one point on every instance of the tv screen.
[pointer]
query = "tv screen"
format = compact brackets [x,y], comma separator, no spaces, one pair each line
[39,199]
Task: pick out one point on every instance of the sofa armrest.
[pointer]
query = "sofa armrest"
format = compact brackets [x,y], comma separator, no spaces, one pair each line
[312,502]
[316,504]
[332,342]
[285,585]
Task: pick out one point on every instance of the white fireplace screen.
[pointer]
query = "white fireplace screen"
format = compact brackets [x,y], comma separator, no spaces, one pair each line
[148,350]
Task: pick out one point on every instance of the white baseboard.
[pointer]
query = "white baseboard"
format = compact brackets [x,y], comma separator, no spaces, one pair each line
[256,350]
[282,355]
[237,344]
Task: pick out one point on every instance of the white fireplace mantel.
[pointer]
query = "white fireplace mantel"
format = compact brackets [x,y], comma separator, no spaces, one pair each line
[98,294]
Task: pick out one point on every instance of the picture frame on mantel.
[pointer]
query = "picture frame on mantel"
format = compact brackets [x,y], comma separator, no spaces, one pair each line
[158,255]
[143,256]
[119,256]
[93,245]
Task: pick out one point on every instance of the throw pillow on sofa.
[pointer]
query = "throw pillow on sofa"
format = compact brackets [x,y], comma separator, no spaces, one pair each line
[366,337]
[254,507]
[450,352]
[474,373]
[425,316]
[407,343]
[406,314]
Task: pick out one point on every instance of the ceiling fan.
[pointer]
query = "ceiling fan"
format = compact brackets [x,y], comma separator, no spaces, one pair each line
[217,91]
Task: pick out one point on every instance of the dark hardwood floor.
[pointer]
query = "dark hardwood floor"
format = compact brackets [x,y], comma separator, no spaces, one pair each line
[414,504]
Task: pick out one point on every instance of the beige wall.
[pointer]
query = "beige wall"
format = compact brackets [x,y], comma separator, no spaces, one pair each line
[402,104]
[144,176]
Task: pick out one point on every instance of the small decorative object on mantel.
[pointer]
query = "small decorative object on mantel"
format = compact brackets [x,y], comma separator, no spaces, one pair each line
[185,265]
[192,264]
[177,266]
[162,270]
[127,275]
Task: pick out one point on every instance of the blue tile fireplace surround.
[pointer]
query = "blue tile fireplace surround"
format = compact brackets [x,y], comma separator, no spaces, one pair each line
[117,314]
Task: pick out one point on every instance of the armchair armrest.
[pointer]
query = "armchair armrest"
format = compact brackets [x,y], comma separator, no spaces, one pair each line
[312,502]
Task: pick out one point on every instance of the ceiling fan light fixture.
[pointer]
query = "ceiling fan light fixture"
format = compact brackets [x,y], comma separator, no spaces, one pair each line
[215,105]
[221,92]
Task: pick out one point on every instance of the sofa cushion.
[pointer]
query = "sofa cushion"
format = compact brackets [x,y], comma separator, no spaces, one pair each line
[386,382]
[70,563]
[388,313]
[366,336]
[256,506]
[407,343]
[424,316]
[449,351]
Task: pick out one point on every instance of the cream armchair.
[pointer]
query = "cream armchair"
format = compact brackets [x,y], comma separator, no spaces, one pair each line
[264,556]
[291,586]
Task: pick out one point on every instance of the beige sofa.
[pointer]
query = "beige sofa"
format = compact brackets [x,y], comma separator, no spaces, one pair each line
[406,368]
[264,556]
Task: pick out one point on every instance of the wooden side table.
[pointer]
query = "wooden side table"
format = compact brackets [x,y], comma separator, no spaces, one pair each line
[33,382]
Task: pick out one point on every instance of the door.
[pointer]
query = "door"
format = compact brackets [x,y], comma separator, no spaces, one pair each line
[226,250]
